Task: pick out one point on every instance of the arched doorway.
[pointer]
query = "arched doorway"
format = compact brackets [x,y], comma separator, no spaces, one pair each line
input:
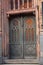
[22,37]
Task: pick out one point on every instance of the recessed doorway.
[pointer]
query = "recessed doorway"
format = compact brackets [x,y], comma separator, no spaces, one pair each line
[22,37]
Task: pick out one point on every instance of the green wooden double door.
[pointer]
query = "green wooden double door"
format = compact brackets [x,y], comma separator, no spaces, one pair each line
[22,37]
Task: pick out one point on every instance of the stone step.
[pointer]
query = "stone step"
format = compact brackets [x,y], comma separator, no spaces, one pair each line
[23,61]
[21,64]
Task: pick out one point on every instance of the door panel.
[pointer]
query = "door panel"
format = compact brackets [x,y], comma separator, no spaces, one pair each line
[16,51]
[29,37]
[16,38]
[23,37]
[29,50]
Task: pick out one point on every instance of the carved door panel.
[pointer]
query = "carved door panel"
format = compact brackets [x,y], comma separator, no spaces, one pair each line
[22,37]
[29,37]
[16,38]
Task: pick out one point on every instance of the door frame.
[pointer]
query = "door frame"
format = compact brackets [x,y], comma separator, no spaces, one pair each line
[37,37]
[37,33]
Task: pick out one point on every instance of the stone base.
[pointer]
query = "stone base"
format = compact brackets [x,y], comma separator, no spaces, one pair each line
[22,61]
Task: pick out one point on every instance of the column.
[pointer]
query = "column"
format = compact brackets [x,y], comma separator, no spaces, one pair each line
[22,4]
[27,3]
[34,3]
[37,35]
[18,4]
[14,4]
[0,33]
[0,48]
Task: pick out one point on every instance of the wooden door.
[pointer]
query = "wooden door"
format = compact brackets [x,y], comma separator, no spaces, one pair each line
[16,38]
[29,37]
[22,37]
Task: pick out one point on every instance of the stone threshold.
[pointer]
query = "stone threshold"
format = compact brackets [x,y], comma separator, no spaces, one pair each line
[21,64]
[22,61]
